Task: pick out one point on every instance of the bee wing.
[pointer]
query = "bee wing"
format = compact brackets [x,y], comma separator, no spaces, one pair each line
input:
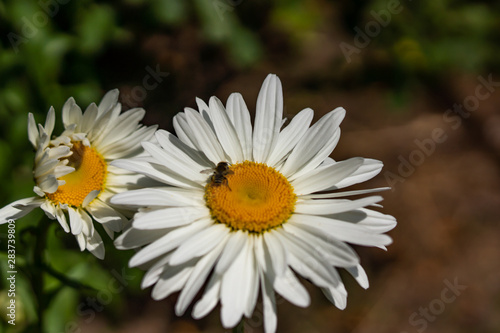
[229,172]
[207,171]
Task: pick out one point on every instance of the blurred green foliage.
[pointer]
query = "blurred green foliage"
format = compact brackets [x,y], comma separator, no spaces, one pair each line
[51,50]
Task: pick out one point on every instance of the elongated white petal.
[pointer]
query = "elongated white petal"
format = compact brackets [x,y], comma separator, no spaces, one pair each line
[168,217]
[199,244]
[277,253]
[325,177]
[333,206]
[369,169]
[164,196]
[240,117]
[360,275]
[155,172]
[197,278]
[269,304]
[291,289]
[209,299]
[19,208]
[206,139]
[290,136]
[95,245]
[236,286]
[316,144]
[267,118]
[171,280]
[344,231]
[32,130]
[332,250]
[167,243]
[75,221]
[232,249]
[226,133]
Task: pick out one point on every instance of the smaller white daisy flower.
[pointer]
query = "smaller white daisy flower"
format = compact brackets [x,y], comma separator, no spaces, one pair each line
[258,220]
[72,172]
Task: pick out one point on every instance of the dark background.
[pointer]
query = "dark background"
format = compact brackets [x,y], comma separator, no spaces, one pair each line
[410,75]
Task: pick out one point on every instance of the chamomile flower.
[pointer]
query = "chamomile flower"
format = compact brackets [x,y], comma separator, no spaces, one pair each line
[73,176]
[258,220]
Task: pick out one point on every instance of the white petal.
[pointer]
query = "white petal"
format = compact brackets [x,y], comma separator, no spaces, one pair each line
[345,231]
[333,206]
[206,139]
[268,116]
[171,280]
[168,217]
[277,253]
[61,217]
[154,272]
[315,267]
[19,208]
[108,101]
[199,244]
[197,279]
[360,275]
[325,177]
[337,294]
[88,118]
[316,144]
[236,283]
[291,135]
[269,303]
[240,117]
[159,197]
[71,113]
[168,242]
[95,245]
[335,252]
[107,215]
[232,249]
[32,130]
[291,289]
[209,299]
[343,194]
[155,172]
[75,221]
[50,121]
[174,158]
[225,131]
[369,169]
[370,219]
[133,238]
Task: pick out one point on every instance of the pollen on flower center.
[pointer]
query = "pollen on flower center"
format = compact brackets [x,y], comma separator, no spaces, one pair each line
[89,175]
[256,198]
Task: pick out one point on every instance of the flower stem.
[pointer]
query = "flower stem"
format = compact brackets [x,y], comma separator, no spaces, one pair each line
[38,281]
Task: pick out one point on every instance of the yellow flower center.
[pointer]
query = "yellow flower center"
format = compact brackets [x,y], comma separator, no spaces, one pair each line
[89,175]
[255,198]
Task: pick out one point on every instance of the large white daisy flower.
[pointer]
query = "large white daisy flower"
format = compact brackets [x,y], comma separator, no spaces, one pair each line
[257,222]
[72,172]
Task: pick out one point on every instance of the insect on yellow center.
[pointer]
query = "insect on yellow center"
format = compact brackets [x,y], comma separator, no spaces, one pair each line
[256,198]
[89,175]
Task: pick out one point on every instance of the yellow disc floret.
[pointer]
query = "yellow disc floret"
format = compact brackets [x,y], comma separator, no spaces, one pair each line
[255,198]
[89,175]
